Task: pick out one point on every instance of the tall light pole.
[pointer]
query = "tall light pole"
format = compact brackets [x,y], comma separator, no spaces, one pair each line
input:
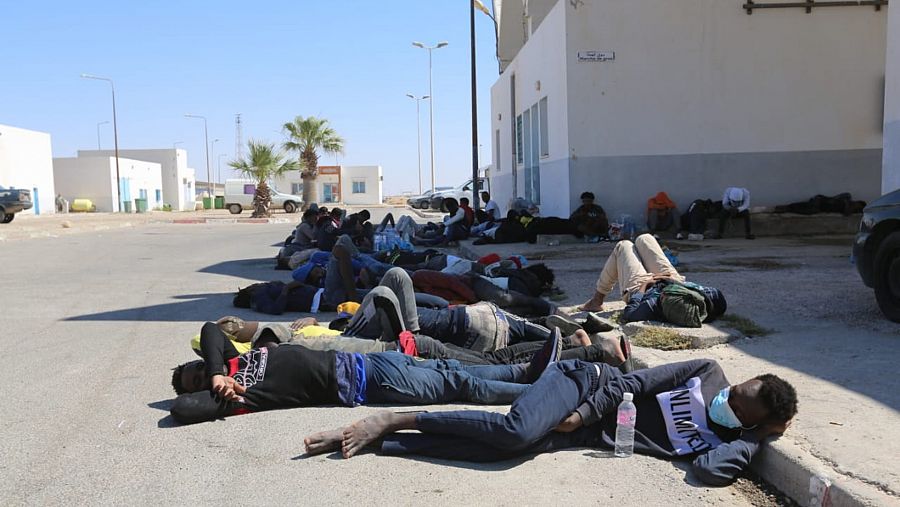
[431,101]
[98,133]
[206,141]
[115,134]
[418,134]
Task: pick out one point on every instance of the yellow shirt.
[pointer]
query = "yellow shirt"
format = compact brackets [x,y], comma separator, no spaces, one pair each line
[243,347]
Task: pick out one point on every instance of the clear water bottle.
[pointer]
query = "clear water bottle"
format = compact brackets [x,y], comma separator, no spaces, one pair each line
[625,420]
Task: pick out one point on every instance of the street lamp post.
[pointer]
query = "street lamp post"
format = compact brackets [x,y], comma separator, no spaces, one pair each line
[418,135]
[115,134]
[98,133]
[431,101]
[206,141]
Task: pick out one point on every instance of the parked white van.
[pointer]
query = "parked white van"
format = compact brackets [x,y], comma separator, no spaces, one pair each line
[239,196]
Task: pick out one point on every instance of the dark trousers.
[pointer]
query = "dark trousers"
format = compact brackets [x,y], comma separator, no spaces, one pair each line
[733,213]
[520,353]
[476,435]
[393,377]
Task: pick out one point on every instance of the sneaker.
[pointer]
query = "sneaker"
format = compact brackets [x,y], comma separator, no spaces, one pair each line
[679,236]
[565,325]
[697,237]
[597,324]
[547,355]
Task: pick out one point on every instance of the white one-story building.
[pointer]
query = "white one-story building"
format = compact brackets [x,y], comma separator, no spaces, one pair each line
[26,162]
[356,184]
[178,180]
[94,178]
[626,99]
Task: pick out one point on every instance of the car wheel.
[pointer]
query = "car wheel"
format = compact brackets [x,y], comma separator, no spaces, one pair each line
[235,209]
[887,276]
[7,218]
[290,207]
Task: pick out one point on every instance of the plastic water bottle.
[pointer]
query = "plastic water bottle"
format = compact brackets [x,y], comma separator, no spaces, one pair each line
[625,420]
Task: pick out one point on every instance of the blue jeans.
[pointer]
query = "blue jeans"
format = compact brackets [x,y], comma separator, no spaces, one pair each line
[393,377]
[476,435]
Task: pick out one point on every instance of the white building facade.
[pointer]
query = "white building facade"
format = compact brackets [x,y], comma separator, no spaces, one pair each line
[890,179]
[178,180]
[26,162]
[626,99]
[94,178]
[353,185]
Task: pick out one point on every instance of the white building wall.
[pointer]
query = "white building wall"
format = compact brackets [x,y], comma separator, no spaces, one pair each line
[702,96]
[890,177]
[26,162]
[368,175]
[178,179]
[94,178]
[540,71]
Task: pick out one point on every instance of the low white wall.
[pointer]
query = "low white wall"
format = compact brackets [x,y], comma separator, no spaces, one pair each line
[26,162]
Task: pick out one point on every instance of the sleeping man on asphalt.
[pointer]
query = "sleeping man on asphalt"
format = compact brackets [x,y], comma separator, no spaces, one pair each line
[226,383]
[684,410]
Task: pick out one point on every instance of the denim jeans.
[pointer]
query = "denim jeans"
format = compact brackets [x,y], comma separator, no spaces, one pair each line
[393,377]
[477,435]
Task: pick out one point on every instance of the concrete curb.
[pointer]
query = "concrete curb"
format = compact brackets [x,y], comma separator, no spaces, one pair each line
[421,214]
[229,221]
[785,463]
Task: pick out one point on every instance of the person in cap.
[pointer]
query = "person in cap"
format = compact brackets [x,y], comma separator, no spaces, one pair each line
[735,204]
[652,288]
[686,410]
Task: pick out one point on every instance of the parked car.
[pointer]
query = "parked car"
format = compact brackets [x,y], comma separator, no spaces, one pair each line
[12,201]
[239,196]
[464,190]
[876,252]
[423,201]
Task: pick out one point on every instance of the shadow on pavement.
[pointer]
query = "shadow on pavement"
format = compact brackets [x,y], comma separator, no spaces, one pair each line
[191,308]
[261,269]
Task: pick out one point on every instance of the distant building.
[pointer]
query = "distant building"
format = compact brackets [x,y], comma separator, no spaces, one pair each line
[178,180]
[94,178]
[26,162]
[627,99]
[357,185]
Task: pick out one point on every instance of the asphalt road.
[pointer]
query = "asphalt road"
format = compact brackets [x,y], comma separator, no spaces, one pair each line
[92,325]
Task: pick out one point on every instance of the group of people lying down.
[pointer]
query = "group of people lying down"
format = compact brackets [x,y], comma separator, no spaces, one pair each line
[563,388]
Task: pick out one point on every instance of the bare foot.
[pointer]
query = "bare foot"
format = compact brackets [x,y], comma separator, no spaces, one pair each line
[613,354]
[582,338]
[595,304]
[324,441]
[364,432]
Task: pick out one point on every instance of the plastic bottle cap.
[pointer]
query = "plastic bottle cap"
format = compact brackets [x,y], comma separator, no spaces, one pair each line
[628,396]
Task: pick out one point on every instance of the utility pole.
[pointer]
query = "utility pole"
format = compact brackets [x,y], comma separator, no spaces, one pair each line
[475,186]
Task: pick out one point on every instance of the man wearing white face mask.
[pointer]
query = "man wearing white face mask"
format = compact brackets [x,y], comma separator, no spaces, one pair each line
[685,410]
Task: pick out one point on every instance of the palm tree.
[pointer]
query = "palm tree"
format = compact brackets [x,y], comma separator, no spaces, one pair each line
[263,163]
[307,136]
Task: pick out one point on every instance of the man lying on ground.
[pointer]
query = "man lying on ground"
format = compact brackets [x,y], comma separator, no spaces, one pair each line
[226,383]
[309,333]
[685,410]
[652,288]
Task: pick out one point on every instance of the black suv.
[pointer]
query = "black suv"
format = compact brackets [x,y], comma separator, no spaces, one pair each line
[876,252]
[12,201]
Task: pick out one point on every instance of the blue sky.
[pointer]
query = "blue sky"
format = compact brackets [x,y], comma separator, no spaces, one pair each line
[350,61]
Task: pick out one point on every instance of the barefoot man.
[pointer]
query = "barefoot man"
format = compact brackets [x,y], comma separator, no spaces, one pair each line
[685,410]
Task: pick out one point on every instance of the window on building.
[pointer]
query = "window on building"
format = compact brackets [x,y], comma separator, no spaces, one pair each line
[250,189]
[297,188]
[534,182]
[545,138]
[526,150]
[359,186]
[497,151]
[519,135]
[158,195]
